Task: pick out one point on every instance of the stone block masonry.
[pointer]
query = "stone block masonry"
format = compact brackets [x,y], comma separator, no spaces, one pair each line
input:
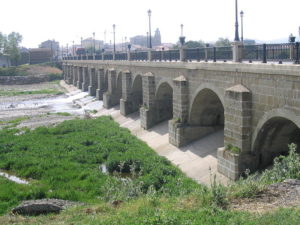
[248,101]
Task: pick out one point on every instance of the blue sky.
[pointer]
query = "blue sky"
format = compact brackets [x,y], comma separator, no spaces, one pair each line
[68,20]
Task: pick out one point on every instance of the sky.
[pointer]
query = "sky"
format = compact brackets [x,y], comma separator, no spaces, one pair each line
[69,20]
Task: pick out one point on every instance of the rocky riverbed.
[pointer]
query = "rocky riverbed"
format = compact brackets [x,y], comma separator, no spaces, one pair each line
[34,105]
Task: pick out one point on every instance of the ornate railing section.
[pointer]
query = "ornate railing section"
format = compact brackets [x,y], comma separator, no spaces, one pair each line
[287,52]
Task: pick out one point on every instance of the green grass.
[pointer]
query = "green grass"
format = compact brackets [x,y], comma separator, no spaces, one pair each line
[34,92]
[63,162]
[14,122]
[60,114]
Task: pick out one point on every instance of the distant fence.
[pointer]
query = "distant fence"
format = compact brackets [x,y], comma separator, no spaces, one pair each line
[286,52]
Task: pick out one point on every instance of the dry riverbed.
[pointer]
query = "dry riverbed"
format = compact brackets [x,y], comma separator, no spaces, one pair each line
[41,104]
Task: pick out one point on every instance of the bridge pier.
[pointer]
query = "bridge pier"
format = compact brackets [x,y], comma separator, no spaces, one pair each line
[69,74]
[237,133]
[93,81]
[111,97]
[101,84]
[80,77]
[147,112]
[178,133]
[85,80]
[75,76]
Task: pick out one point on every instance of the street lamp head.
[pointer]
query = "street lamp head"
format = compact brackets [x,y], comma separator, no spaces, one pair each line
[114,26]
[242,13]
[149,12]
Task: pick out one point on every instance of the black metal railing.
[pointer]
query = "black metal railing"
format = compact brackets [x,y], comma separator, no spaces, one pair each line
[121,56]
[156,55]
[195,54]
[98,57]
[286,52]
[108,56]
[170,55]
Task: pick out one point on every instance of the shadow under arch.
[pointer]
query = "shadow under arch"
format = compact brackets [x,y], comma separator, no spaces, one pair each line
[206,115]
[273,139]
[164,102]
[137,92]
[119,85]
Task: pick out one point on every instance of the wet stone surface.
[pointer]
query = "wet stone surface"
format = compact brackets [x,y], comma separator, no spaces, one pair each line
[43,206]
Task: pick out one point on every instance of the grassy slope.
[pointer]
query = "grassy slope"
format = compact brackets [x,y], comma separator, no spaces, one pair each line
[64,161]
[25,70]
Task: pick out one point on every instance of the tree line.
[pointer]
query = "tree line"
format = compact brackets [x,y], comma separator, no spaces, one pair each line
[221,42]
[9,45]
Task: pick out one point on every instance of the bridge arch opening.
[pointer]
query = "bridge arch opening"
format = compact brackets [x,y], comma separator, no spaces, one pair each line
[119,86]
[137,92]
[207,110]
[206,117]
[273,140]
[164,102]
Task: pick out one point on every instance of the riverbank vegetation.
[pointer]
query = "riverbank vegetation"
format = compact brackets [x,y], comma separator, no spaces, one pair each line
[140,187]
[25,70]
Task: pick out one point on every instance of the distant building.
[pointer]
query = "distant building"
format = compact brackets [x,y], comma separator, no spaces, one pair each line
[4,61]
[40,55]
[142,40]
[52,45]
[89,44]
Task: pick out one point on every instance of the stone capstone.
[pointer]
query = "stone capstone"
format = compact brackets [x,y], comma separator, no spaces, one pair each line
[42,206]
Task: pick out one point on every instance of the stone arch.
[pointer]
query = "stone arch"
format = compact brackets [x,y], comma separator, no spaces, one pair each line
[137,90]
[202,86]
[208,89]
[160,82]
[274,113]
[206,109]
[164,101]
[273,138]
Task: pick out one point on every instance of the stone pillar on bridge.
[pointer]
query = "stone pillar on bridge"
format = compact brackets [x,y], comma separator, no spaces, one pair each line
[93,81]
[64,68]
[110,97]
[101,84]
[80,77]
[147,111]
[182,54]
[234,158]
[177,133]
[150,54]
[85,80]
[70,74]
[126,102]
[75,76]
[237,51]
[128,55]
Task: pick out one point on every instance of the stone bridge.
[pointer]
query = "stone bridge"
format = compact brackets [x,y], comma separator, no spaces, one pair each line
[257,105]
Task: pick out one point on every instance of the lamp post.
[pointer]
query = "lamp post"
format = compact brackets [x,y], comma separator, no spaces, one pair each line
[147,45]
[114,32]
[181,38]
[236,37]
[150,41]
[242,27]
[73,49]
[93,42]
